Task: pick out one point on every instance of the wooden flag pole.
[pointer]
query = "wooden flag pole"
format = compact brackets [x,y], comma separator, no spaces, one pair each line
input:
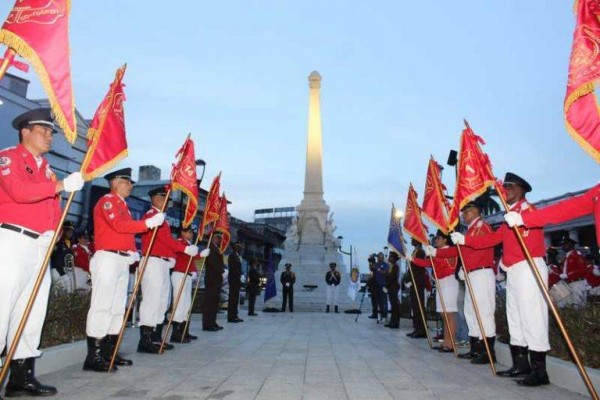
[9,56]
[178,297]
[137,285]
[476,309]
[445,313]
[420,306]
[551,305]
[187,321]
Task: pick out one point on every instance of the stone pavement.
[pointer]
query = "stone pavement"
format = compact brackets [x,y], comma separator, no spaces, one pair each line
[296,356]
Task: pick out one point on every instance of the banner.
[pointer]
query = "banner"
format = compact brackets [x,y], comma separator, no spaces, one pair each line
[184,178]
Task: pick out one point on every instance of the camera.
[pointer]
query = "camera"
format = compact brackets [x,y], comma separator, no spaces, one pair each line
[371,258]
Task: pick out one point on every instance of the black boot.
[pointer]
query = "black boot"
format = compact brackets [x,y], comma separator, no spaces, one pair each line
[22,381]
[108,345]
[520,362]
[187,330]
[337,310]
[327,309]
[157,338]
[178,335]
[94,360]
[538,375]
[145,344]
[474,351]
[483,357]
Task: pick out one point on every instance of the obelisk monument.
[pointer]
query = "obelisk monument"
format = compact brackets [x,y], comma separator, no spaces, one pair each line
[310,243]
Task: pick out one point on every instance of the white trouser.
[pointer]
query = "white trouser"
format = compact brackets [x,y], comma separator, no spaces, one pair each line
[579,292]
[332,294]
[156,287]
[483,283]
[526,309]
[448,288]
[110,275]
[185,302]
[81,279]
[21,257]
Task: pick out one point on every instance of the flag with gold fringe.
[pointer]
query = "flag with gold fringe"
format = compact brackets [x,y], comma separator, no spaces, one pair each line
[413,224]
[222,225]
[184,178]
[582,118]
[107,141]
[213,205]
[435,204]
[38,30]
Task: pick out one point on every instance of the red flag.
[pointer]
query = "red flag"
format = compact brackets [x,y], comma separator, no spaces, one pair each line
[107,142]
[213,205]
[435,204]
[581,109]
[222,225]
[183,177]
[474,173]
[38,30]
[413,224]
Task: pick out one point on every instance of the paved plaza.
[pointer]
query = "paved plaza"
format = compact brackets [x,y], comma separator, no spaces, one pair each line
[296,356]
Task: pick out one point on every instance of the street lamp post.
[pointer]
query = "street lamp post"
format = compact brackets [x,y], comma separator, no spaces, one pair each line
[340,238]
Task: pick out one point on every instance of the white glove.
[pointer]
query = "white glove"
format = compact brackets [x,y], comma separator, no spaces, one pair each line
[596,272]
[385,290]
[73,182]
[430,250]
[513,219]
[155,220]
[408,257]
[44,240]
[134,257]
[194,275]
[243,278]
[461,274]
[408,285]
[191,250]
[287,284]
[457,238]
[172,262]
[204,253]
[563,276]
[500,278]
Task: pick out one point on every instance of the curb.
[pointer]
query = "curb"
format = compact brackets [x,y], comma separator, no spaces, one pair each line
[562,373]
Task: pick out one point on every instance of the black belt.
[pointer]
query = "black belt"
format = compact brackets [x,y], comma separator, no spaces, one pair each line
[162,258]
[575,280]
[119,252]
[477,269]
[17,229]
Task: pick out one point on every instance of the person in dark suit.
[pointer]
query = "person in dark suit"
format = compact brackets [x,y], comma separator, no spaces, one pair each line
[253,286]
[213,279]
[234,278]
[288,278]
[419,276]
[393,286]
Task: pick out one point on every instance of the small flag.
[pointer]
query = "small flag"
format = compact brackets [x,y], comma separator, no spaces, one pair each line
[395,239]
[107,141]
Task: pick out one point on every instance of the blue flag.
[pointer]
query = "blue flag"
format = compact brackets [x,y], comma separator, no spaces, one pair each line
[395,239]
[270,289]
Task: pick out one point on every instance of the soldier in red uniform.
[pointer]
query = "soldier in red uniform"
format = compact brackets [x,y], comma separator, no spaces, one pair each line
[526,309]
[447,286]
[574,272]
[479,264]
[554,270]
[179,333]
[82,254]
[29,213]
[156,282]
[114,232]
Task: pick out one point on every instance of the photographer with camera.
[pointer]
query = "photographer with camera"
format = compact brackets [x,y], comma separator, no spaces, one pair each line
[372,287]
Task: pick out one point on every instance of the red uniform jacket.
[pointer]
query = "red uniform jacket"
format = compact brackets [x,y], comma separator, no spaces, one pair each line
[473,258]
[574,266]
[114,229]
[27,193]
[578,206]
[554,272]
[182,259]
[512,252]
[443,266]
[592,280]
[164,245]
[82,257]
